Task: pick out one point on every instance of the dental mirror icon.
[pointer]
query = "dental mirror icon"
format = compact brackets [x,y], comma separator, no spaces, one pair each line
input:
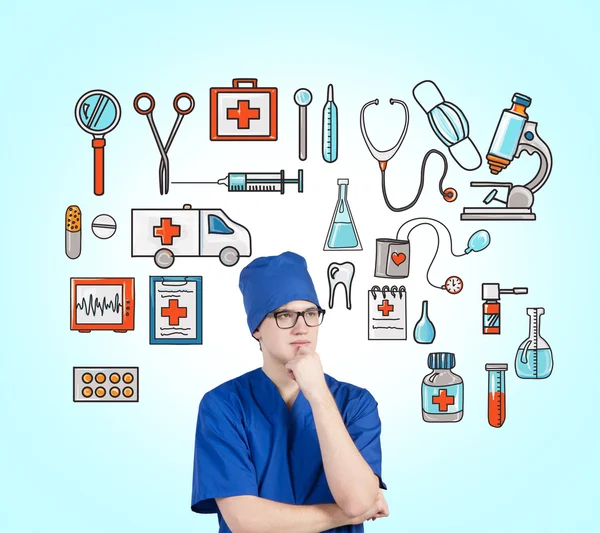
[303,98]
[97,113]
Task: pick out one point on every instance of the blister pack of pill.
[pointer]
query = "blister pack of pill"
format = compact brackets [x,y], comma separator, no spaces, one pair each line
[106,384]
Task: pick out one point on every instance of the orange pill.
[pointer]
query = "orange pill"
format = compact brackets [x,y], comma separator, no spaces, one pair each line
[128,392]
[87,377]
[114,392]
[128,378]
[87,391]
[100,392]
[100,377]
[114,377]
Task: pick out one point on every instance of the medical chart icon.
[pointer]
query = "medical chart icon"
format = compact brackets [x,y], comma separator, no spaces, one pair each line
[387,313]
[175,310]
[243,113]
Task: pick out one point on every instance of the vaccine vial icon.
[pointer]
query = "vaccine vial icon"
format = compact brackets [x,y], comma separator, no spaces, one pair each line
[496,393]
[442,390]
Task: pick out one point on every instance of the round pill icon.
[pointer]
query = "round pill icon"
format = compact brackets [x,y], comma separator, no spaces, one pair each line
[104,226]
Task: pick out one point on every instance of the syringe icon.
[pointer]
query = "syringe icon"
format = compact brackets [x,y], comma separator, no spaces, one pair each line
[255,181]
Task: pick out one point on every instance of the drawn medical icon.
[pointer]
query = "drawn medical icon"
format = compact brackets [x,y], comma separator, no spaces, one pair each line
[243,112]
[98,113]
[164,258]
[514,134]
[449,124]
[340,274]
[534,357]
[424,332]
[168,233]
[342,234]
[490,293]
[254,181]
[330,128]
[104,226]
[105,383]
[442,391]
[303,98]
[496,393]
[392,256]
[384,156]
[102,304]
[73,232]
[144,104]
[387,313]
[175,310]
[453,285]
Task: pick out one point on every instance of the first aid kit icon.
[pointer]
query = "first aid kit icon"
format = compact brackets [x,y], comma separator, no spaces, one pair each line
[243,113]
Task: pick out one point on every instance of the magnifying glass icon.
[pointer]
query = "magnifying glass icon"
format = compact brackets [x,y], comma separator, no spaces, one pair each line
[97,113]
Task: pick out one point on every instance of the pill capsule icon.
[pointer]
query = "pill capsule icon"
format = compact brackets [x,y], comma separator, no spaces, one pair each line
[73,232]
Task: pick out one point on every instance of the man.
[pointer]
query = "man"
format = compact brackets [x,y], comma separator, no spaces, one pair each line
[286,448]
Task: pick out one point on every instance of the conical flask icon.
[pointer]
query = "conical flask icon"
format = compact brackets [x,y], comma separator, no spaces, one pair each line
[342,234]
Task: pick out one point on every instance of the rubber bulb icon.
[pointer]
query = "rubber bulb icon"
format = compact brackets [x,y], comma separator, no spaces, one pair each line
[424,330]
[478,241]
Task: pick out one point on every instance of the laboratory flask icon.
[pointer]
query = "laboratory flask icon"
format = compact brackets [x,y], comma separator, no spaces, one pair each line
[534,356]
[342,234]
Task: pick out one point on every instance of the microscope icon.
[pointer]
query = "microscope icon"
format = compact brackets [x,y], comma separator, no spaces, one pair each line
[514,135]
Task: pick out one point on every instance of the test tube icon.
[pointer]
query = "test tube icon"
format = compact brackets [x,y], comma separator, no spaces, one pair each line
[496,393]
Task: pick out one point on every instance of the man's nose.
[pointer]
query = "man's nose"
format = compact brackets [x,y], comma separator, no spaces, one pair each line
[300,326]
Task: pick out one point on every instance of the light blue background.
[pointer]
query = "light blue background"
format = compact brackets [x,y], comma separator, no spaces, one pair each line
[68,467]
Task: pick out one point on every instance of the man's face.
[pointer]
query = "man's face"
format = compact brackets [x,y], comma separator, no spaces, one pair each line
[281,345]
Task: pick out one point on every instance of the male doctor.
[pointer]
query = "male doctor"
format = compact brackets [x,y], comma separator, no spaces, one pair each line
[287,448]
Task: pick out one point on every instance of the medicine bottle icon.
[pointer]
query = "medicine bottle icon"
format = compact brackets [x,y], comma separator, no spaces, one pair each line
[442,391]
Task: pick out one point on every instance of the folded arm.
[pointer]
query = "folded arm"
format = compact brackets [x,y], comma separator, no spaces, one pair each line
[252,514]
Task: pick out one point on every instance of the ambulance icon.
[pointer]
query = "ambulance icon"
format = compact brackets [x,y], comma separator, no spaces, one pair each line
[168,233]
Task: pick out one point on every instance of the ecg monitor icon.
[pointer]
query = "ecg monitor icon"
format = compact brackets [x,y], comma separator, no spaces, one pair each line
[102,304]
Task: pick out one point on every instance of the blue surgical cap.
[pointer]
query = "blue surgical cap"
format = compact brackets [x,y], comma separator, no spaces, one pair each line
[270,282]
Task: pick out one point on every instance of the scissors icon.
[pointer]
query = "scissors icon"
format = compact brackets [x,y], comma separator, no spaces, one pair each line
[163,169]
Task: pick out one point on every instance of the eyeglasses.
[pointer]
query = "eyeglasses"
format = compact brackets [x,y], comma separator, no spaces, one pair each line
[287,319]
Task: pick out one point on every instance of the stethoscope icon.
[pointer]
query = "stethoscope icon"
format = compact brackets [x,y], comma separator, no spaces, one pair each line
[384,156]
[97,113]
[163,169]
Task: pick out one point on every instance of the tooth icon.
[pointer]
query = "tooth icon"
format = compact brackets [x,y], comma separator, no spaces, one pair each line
[340,273]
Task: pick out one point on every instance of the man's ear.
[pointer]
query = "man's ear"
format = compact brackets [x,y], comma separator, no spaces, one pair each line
[257,335]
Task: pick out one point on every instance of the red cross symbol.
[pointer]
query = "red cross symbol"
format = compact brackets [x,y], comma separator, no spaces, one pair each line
[385,308]
[443,401]
[167,230]
[243,113]
[174,312]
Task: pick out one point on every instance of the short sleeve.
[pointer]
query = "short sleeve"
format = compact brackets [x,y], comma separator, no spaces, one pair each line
[222,463]
[365,430]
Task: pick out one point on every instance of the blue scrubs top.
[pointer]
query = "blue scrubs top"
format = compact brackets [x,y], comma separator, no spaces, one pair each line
[249,443]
